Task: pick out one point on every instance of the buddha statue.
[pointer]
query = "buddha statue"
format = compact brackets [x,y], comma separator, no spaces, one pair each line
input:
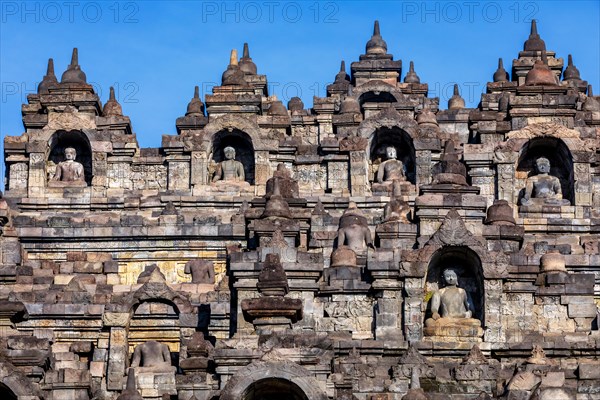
[230,169]
[389,171]
[543,188]
[396,210]
[152,356]
[452,310]
[68,172]
[354,230]
[202,271]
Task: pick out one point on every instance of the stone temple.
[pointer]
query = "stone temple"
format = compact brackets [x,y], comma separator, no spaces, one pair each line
[372,247]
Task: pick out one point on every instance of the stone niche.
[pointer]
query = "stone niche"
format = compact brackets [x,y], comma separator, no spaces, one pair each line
[274,388]
[395,137]
[244,151]
[61,140]
[561,164]
[467,266]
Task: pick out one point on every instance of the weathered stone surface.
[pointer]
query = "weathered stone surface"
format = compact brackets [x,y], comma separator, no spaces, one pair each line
[254,273]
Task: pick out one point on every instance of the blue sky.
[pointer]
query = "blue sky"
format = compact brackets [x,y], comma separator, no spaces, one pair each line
[155,52]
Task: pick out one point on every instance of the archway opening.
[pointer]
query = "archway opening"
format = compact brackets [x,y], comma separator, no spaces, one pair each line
[401,141]
[376,97]
[6,393]
[274,389]
[244,150]
[158,320]
[374,101]
[467,265]
[561,163]
[77,140]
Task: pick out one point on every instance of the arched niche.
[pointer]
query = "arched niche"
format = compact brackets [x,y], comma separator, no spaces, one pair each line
[155,319]
[273,380]
[61,140]
[244,150]
[376,91]
[467,265]
[376,97]
[401,141]
[561,163]
[14,384]
[274,389]
[6,393]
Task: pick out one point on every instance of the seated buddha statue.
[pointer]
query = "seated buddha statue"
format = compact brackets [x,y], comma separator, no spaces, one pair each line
[452,311]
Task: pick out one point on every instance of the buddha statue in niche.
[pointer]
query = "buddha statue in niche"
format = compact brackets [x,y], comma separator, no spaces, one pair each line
[452,311]
[230,169]
[543,188]
[389,171]
[68,172]
[152,356]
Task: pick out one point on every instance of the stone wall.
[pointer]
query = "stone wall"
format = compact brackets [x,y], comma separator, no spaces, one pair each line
[312,276]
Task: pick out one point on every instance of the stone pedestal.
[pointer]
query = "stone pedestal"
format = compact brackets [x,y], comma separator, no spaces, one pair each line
[344,279]
[62,184]
[154,384]
[395,234]
[454,329]
[386,188]
[272,313]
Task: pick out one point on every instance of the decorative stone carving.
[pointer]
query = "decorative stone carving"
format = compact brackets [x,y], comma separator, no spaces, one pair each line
[543,188]
[500,213]
[288,187]
[354,230]
[450,170]
[397,210]
[451,311]
[413,360]
[68,172]
[148,272]
[272,311]
[130,392]
[476,367]
[272,280]
[453,232]
[524,381]
[202,271]
[543,129]
[277,206]
[199,352]
[538,356]
[415,392]
[553,262]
